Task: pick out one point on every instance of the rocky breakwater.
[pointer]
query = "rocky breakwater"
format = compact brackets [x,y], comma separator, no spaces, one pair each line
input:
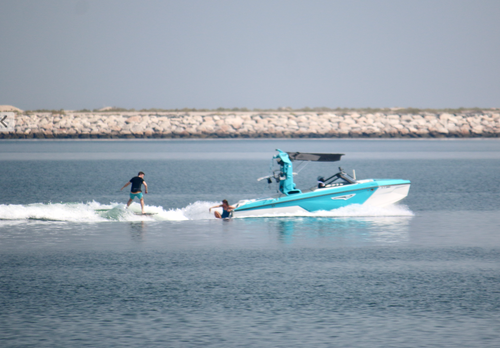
[253,125]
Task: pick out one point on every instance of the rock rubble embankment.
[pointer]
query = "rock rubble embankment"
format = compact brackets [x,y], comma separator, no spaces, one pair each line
[253,125]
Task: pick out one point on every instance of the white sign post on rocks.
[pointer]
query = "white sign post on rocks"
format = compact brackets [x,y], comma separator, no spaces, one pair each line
[7,122]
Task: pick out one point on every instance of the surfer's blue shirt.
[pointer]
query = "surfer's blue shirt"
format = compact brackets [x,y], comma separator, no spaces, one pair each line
[136,184]
[225,214]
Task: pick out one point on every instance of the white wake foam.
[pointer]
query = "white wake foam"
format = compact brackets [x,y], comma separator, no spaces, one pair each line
[97,212]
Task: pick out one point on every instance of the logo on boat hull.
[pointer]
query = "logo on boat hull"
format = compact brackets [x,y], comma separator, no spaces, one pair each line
[345,198]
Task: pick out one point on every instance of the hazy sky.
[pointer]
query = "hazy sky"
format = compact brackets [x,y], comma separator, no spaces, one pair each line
[76,54]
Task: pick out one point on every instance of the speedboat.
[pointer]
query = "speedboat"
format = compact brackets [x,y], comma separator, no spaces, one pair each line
[336,191]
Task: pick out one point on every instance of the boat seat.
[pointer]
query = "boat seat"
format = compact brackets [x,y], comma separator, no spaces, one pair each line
[333,185]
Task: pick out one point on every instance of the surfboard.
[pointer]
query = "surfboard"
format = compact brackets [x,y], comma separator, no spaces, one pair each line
[106,210]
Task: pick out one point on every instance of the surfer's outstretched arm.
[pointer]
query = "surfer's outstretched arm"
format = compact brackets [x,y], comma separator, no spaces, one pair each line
[215,206]
[146,186]
[128,183]
[216,214]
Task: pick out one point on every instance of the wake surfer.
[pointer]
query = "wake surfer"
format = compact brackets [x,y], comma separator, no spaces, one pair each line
[226,210]
[136,189]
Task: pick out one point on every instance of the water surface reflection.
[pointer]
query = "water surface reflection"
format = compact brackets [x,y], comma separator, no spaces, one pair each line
[334,231]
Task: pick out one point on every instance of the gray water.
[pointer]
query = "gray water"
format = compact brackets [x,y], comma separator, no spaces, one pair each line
[423,273]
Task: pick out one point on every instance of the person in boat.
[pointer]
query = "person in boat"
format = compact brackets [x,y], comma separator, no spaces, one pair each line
[226,210]
[136,189]
[321,182]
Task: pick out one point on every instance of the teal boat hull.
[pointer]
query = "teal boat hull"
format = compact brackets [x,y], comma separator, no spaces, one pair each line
[371,192]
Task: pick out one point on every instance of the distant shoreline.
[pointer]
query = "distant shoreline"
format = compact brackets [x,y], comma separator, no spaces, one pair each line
[254,124]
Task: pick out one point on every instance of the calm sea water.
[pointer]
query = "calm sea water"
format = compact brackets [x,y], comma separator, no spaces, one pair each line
[422,273]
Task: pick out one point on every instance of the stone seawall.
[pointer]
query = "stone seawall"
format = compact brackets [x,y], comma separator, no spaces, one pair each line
[112,125]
